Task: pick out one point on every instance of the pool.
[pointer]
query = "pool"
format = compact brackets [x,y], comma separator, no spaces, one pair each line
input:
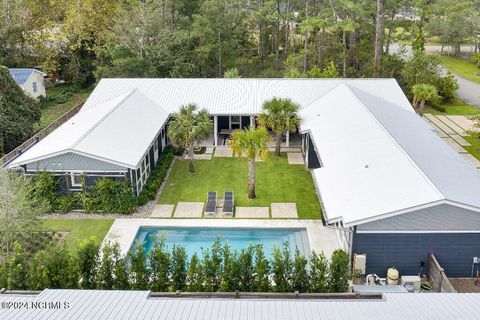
[196,238]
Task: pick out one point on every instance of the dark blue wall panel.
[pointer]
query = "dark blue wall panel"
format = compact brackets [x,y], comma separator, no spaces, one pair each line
[405,251]
[313,162]
[223,122]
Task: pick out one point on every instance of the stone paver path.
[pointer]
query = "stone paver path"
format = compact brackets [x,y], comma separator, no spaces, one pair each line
[439,123]
[284,210]
[252,212]
[455,146]
[474,161]
[162,211]
[295,158]
[223,152]
[460,140]
[204,156]
[286,149]
[465,122]
[452,125]
[189,210]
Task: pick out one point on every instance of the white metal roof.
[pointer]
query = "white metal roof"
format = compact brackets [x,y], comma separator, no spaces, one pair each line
[118,130]
[380,158]
[96,304]
[232,96]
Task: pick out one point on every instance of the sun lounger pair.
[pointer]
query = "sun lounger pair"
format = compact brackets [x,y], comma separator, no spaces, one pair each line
[211,205]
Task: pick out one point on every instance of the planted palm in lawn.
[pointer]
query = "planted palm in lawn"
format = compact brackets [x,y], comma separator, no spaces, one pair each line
[189,127]
[277,181]
[280,115]
[254,143]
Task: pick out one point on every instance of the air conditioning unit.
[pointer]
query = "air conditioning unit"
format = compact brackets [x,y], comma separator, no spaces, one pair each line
[411,283]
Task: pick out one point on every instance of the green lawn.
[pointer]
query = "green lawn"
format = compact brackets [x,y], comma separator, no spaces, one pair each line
[60,99]
[80,229]
[456,109]
[277,181]
[474,149]
[463,67]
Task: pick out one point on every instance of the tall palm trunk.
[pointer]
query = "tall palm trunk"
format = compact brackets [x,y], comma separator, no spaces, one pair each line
[422,106]
[379,29]
[305,41]
[251,179]
[191,165]
[278,143]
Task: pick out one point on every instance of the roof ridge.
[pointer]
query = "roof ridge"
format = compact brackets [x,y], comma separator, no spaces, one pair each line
[322,95]
[74,144]
[405,153]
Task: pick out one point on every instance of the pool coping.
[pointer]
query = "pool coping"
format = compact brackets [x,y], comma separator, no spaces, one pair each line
[321,238]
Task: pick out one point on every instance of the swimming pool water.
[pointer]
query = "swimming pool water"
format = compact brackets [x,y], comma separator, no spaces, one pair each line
[194,239]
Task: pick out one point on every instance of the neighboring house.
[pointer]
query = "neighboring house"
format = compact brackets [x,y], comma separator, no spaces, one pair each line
[387,183]
[30,80]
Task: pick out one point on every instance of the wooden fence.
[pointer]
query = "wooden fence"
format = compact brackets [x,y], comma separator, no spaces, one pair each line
[437,277]
[39,135]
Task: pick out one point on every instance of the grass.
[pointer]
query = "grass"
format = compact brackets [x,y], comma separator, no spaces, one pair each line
[276,181]
[60,99]
[455,109]
[80,229]
[474,149]
[463,67]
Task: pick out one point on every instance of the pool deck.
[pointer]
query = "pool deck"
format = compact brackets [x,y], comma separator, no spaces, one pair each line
[320,237]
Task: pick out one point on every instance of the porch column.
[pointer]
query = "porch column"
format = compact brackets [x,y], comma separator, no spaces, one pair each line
[252,121]
[287,142]
[215,130]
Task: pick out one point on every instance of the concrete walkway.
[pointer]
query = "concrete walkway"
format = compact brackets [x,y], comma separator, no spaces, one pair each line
[189,210]
[252,212]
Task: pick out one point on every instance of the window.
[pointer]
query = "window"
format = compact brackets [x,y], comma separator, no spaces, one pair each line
[76,179]
[235,122]
[34,87]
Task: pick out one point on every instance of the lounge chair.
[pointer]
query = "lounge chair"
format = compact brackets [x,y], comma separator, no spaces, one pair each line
[211,203]
[228,203]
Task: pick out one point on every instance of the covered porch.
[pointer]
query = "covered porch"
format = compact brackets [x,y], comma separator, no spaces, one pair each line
[223,126]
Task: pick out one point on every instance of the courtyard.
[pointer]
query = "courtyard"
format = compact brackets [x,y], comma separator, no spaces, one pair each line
[276,182]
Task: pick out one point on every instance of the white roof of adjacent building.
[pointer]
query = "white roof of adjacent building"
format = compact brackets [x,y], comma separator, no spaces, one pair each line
[233,96]
[96,304]
[118,130]
[379,158]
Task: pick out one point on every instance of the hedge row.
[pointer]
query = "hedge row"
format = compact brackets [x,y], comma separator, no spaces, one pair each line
[216,269]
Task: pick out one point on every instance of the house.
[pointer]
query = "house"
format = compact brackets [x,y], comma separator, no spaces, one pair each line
[388,185]
[30,80]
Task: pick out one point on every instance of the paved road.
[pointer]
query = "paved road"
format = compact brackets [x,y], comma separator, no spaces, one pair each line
[468,91]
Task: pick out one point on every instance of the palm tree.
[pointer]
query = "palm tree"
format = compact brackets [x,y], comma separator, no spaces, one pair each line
[188,127]
[280,115]
[423,93]
[254,143]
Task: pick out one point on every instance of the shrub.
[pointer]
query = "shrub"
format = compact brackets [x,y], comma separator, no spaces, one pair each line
[67,203]
[282,269]
[300,276]
[446,87]
[55,268]
[45,189]
[230,276]
[339,271]
[262,270]
[318,273]
[212,266]
[113,196]
[195,275]
[138,271]
[105,272]
[157,176]
[247,269]
[87,257]
[179,268]
[13,270]
[159,266]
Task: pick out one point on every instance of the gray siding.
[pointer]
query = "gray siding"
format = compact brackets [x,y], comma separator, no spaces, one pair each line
[406,251]
[72,161]
[440,217]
